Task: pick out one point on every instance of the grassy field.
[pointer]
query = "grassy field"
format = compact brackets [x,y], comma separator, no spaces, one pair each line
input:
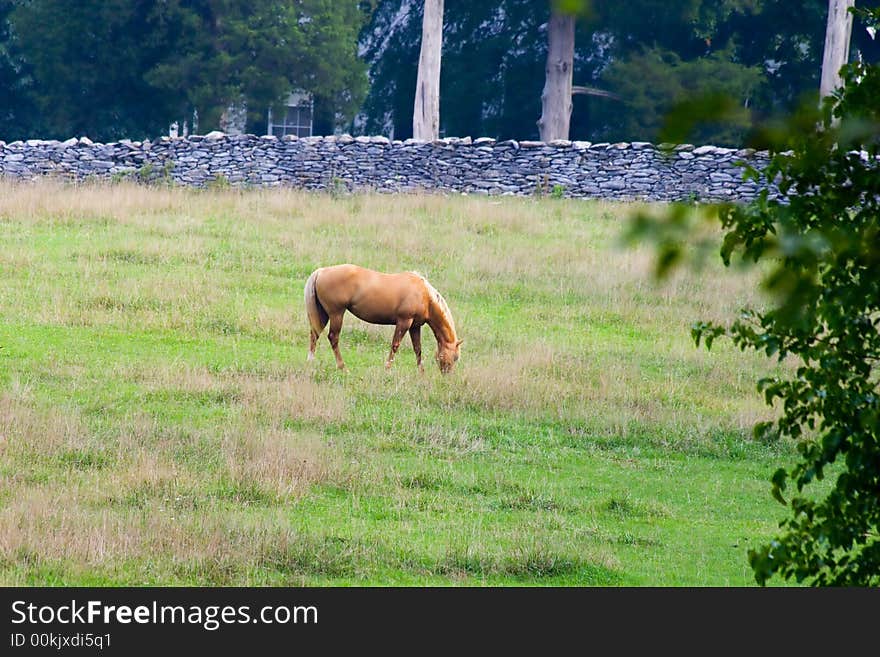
[159,423]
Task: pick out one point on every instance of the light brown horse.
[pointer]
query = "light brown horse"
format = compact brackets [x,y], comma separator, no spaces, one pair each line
[406,300]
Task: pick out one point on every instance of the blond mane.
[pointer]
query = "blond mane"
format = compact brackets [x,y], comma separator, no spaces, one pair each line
[441,302]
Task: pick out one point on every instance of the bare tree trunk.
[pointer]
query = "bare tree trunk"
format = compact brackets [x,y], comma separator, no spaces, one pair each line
[837,36]
[426,110]
[556,98]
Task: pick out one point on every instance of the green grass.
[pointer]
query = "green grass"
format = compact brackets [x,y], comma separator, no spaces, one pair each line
[159,423]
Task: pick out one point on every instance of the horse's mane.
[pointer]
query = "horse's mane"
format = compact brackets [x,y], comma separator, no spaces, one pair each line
[441,302]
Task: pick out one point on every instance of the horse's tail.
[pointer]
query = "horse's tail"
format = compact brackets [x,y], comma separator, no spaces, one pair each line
[318,317]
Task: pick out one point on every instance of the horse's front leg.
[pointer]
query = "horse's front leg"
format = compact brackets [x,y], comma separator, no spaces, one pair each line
[415,336]
[399,331]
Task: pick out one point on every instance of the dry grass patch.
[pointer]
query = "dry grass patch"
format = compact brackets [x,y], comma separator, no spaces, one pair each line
[280,464]
[71,202]
[295,397]
[31,431]
[46,527]
[523,380]
[459,441]
[270,398]
[150,508]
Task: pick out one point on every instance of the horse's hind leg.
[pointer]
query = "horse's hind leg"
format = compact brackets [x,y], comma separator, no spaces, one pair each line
[313,343]
[315,330]
[315,311]
[333,337]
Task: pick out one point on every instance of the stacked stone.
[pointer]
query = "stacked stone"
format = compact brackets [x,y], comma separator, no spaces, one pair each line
[623,171]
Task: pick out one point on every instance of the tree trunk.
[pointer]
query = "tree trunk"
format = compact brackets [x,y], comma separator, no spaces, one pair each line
[837,36]
[556,99]
[426,110]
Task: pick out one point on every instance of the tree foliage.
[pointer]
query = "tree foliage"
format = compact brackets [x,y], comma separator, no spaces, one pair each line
[764,55]
[83,67]
[114,68]
[492,72]
[16,110]
[672,80]
[820,236]
[827,239]
[258,51]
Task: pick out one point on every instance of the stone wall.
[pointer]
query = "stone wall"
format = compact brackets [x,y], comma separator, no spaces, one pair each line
[637,170]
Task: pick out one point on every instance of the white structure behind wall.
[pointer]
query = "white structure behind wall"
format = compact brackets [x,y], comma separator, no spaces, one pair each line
[233,121]
[175,131]
[296,119]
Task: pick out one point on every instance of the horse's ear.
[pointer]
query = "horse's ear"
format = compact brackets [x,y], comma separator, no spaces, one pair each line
[458,344]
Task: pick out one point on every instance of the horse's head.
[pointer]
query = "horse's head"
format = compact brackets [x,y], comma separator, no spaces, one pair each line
[447,355]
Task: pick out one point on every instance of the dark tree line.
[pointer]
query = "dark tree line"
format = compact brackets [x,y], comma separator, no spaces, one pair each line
[120,68]
[646,55]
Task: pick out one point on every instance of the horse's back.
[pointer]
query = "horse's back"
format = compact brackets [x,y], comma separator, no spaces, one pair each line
[337,283]
[345,276]
[373,296]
